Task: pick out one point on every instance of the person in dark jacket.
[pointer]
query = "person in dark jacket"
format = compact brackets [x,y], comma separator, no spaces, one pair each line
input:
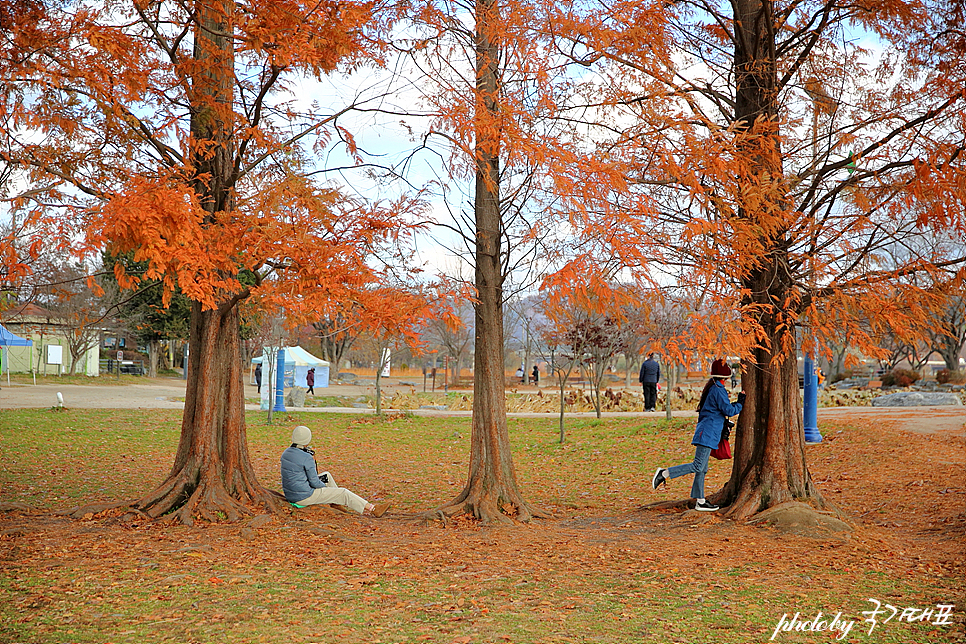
[650,376]
[713,411]
[536,375]
[310,381]
[304,486]
[258,377]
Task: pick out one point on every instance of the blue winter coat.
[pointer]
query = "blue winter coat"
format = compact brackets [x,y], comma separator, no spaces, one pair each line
[299,476]
[711,417]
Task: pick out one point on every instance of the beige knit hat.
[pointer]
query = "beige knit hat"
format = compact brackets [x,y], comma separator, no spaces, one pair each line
[301,435]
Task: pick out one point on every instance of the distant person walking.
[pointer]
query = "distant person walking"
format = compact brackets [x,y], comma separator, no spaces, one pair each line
[650,376]
[713,411]
[304,486]
[536,375]
[310,381]
[258,377]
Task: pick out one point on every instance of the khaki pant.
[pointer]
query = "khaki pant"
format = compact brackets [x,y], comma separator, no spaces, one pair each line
[333,494]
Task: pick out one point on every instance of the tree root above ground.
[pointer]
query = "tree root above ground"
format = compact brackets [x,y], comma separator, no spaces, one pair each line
[802,519]
[485,511]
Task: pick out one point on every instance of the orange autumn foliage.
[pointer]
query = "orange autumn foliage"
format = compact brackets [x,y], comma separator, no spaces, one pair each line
[174,132]
[810,189]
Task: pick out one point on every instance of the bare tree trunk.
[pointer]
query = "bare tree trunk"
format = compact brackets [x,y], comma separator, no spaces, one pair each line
[669,382]
[769,463]
[153,358]
[491,492]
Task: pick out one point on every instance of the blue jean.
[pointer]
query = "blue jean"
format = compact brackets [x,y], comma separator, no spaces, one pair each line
[699,467]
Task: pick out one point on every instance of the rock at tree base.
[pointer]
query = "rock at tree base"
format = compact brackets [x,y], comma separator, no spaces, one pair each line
[916,399]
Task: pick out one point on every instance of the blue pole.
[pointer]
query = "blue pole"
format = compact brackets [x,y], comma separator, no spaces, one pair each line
[812,434]
[280,382]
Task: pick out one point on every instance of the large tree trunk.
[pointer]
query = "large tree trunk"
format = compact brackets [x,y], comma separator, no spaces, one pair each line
[491,492]
[212,477]
[769,464]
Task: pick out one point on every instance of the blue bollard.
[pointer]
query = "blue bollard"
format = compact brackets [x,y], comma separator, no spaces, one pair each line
[280,382]
[812,434]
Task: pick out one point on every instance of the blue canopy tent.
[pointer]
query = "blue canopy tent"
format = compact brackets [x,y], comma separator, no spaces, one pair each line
[8,339]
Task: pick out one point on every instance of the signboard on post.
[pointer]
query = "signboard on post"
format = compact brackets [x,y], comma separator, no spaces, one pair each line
[55,354]
[386,360]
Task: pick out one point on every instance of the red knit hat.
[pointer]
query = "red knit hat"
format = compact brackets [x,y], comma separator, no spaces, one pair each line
[720,369]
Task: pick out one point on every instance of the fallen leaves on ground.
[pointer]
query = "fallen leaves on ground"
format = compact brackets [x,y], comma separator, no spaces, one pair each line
[602,570]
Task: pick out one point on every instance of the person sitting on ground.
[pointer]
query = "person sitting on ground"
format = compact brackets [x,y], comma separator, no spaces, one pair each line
[304,486]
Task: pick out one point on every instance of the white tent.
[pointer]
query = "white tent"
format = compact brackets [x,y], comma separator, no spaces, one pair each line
[298,361]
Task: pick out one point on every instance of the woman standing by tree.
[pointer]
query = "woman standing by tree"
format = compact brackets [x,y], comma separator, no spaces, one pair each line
[713,411]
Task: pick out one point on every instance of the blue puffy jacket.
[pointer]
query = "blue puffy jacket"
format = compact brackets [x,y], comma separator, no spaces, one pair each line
[299,476]
[711,417]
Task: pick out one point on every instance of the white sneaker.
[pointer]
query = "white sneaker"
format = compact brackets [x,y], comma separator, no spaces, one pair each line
[705,507]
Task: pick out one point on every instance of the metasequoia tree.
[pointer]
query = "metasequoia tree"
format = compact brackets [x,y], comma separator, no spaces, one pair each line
[777,153]
[581,331]
[485,84]
[168,130]
[672,325]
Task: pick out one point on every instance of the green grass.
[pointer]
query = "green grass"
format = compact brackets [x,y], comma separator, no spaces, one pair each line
[600,573]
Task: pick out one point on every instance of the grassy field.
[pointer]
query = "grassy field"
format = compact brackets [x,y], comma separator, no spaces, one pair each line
[602,569]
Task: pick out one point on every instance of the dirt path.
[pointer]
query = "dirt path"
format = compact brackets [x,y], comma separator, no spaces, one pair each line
[168,393]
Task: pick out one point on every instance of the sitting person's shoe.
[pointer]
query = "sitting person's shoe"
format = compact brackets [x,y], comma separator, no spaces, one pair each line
[658,478]
[377,510]
[705,507]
